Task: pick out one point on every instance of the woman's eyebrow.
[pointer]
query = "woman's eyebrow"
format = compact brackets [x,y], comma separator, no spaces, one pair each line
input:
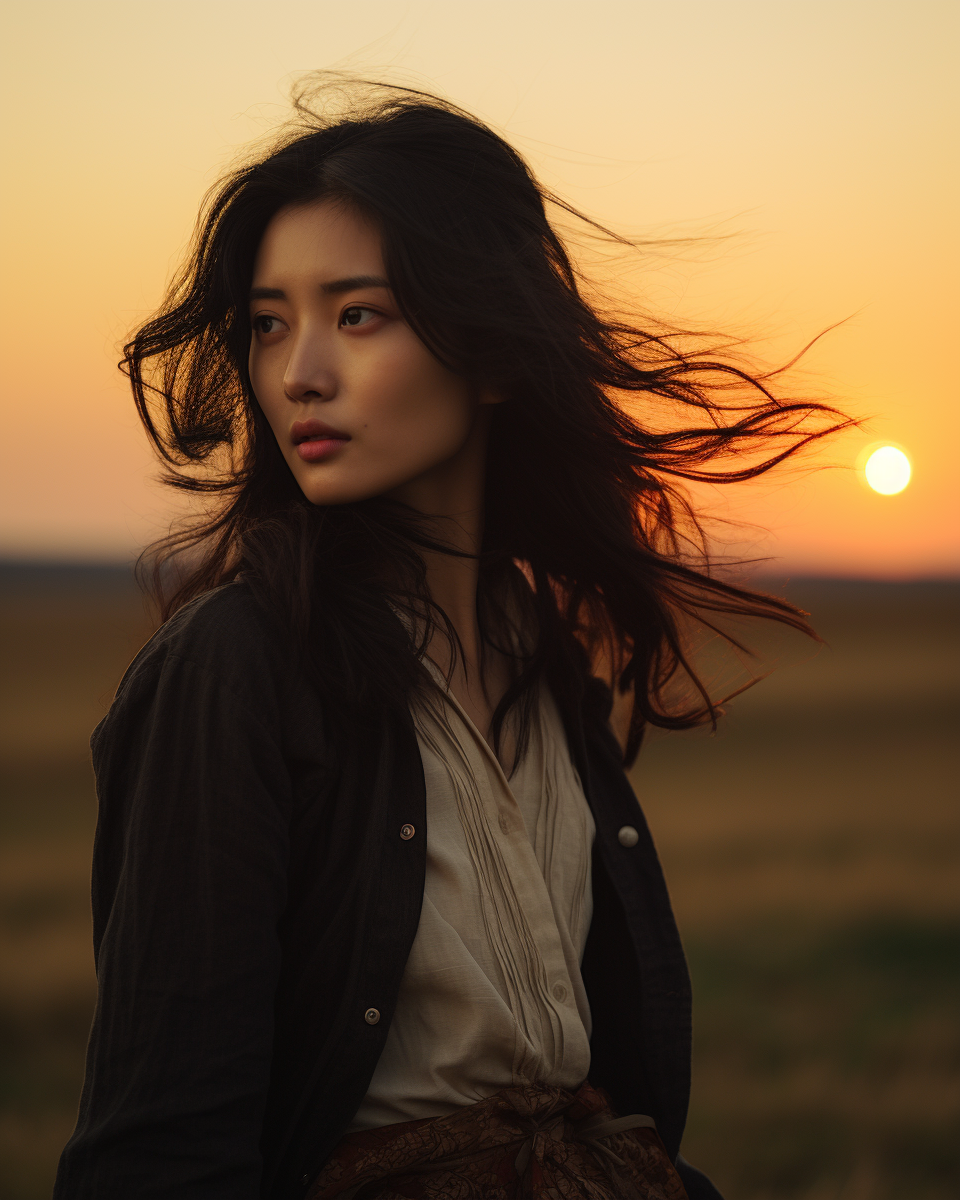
[333,288]
[265,293]
[352,282]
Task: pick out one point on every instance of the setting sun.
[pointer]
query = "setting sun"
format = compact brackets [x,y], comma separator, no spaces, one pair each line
[887,470]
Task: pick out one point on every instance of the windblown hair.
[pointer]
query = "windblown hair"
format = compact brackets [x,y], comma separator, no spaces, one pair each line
[587,533]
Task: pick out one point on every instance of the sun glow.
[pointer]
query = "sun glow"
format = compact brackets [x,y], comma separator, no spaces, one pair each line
[887,470]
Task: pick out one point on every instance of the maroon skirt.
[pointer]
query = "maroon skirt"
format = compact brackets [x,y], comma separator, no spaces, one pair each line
[523,1143]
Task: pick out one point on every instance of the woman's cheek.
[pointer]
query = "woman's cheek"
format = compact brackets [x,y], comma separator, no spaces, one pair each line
[260,390]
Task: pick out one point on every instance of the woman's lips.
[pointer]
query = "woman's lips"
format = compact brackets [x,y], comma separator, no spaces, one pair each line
[315,440]
[316,449]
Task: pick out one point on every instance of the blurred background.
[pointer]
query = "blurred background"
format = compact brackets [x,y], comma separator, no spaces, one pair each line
[812,843]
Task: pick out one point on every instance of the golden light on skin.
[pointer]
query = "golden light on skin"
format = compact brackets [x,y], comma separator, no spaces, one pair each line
[887,470]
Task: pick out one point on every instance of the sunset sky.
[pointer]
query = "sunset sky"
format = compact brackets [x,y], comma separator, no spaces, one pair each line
[821,136]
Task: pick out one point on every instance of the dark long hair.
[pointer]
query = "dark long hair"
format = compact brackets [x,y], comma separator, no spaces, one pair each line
[587,532]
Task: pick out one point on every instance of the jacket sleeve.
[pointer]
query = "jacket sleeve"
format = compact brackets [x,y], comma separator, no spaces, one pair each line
[189,885]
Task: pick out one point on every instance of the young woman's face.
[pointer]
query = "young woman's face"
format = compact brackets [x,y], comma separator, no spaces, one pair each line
[358,404]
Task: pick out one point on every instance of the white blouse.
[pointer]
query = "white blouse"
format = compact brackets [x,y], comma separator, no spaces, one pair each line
[491,995]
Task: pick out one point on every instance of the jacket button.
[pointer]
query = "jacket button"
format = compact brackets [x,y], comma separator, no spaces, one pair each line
[628,836]
[372,1016]
[407,832]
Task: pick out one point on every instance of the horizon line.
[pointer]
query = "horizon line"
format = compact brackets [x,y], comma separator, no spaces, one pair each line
[16,563]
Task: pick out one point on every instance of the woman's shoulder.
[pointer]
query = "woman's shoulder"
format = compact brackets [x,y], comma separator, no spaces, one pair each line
[225,633]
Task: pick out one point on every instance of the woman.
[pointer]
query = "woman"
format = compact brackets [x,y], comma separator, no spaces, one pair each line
[376,911]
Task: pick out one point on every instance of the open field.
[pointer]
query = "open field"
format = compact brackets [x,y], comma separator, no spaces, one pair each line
[812,847]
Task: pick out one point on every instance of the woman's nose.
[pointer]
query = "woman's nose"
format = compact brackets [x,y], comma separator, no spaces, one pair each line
[309,375]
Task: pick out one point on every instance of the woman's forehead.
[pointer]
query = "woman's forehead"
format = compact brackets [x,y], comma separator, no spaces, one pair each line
[325,240]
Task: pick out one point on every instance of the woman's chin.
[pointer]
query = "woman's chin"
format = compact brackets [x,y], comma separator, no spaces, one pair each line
[330,494]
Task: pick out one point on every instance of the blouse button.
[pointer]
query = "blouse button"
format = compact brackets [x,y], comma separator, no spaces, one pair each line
[559,991]
[504,823]
[628,836]
[372,1016]
[407,832]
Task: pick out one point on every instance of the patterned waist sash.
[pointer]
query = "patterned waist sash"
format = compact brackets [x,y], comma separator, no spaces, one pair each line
[530,1142]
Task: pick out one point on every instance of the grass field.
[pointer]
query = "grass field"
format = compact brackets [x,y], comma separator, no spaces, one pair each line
[812,848]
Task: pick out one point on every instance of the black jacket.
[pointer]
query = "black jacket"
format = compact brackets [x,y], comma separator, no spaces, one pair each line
[253,899]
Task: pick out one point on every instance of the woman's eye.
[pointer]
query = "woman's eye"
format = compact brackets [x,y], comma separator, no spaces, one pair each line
[357,316]
[265,325]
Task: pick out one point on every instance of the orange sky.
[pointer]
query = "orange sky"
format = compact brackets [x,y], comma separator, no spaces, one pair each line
[823,133]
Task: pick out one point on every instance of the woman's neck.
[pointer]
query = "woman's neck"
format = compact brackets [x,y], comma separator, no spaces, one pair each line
[451,497]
